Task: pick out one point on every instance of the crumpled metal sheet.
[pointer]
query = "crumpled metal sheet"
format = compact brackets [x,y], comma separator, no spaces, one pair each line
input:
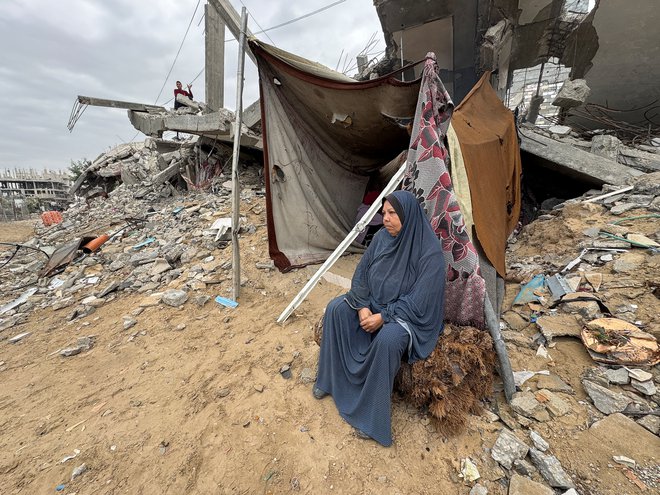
[63,255]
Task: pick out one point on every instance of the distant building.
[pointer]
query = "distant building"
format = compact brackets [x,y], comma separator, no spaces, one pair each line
[49,187]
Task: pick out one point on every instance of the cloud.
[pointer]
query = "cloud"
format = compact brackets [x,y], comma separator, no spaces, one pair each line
[123,49]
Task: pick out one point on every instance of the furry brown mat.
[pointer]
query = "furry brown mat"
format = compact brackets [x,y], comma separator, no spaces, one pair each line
[452,381]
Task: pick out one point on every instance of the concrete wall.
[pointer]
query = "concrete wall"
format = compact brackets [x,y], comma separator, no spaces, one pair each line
[624,72]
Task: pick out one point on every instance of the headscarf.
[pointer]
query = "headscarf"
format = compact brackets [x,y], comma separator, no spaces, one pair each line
[402,277]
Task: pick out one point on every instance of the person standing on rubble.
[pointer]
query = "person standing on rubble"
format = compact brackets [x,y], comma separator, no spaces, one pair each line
[179,91]
[394,310]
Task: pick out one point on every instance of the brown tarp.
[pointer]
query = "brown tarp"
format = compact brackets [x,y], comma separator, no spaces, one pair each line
[487,135]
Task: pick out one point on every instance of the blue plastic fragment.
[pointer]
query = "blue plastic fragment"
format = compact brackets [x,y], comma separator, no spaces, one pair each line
[59,488]
[526,294]
[176,210]
[149,240]
[226,302]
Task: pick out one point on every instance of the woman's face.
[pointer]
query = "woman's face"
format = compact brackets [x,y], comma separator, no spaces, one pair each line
[391,220]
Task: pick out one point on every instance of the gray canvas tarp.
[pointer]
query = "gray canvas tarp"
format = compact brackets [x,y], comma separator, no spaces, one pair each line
[324,134]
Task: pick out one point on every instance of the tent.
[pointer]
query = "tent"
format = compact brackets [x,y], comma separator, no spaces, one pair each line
[324,134]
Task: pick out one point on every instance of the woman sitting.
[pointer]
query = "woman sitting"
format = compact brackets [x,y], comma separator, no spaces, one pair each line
[394,309]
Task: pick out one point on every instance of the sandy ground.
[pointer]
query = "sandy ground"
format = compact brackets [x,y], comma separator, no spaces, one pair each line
[205,410]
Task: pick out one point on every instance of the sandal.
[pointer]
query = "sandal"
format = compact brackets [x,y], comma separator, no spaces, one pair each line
[318,393]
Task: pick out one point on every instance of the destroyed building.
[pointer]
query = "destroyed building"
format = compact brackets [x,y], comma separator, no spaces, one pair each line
[46,190]
[126,367]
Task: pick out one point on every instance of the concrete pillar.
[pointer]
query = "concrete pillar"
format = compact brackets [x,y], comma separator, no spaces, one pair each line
[215,58]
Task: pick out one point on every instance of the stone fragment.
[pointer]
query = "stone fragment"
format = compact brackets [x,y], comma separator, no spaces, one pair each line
[129,322]
[642,239]
[514,320]
[618,376]
[572,93]
[611,244]
[469,471]
[559,325]
[202,300]
[550,468]
[553,403]
[639,375]
[174,297]
[78,471]
[604,399]
[589,310]
[647,388]
[525,404]
[524,468]
[553,383]
[71,351]
[93,301]
[622,208]
[560,130]
[307,375]
[538,441]
[490,416]
[64,303]
[508,448]
[606,146]
[516,338]
[160,266]
[571,492]
[651,423]
[479,490]
[520,485]
[640,199]
[625,461]
[17,338]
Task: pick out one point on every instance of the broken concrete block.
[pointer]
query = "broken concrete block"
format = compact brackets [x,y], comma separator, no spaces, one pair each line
[559,325]
[651,423]
[525,404]
[17,338]
[553,383]
[647,388]
[553,403]
[551,469]
[618,376]
[538,441]
[174,297]
[639,375]
[642,239]
[524,468]
[520,485]
[604,399]
[606,146]
[560,130]
[572,94]
[508,448]
[625,461]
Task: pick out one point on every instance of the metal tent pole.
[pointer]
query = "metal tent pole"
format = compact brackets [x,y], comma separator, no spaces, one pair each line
[236,193]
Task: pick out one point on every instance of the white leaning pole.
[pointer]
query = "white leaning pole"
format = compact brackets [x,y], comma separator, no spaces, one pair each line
[236,192]
[361,225]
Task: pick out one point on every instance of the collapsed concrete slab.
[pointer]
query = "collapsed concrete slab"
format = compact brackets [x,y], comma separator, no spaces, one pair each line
[574,162]
[215,125]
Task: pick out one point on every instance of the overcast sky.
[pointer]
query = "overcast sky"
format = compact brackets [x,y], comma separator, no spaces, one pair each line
[123,49]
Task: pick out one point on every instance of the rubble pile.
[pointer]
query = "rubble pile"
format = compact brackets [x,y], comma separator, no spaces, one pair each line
[165,247]
[598,285]
[643,157]
[158,166]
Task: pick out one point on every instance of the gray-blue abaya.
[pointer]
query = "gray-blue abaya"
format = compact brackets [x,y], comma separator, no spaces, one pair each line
[402,278]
